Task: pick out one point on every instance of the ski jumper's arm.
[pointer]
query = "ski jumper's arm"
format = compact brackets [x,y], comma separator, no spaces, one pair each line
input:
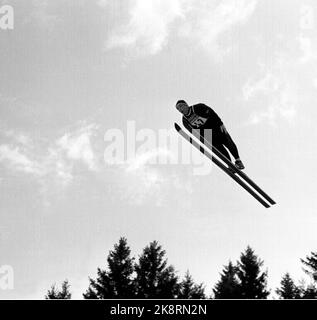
[187,125]
[213,120]
[202,117]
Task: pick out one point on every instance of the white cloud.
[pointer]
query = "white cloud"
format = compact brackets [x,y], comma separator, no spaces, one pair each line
[58,167]
[150,23]
[152,185]
[148,28]
[142,185]
[306,48]
[208,20]
[56,163]
[280,95]
[147,180]
[287,77]
[44,168]
[20,138]
[279,85]
[77,145]
[14,157]
[137,181]
[268,83]
[141,180]
[150,156]
[52,164]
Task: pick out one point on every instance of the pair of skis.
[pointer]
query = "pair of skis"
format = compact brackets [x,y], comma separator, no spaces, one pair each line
[241,178]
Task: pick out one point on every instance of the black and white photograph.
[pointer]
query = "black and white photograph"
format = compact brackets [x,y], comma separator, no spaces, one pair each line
[158,150]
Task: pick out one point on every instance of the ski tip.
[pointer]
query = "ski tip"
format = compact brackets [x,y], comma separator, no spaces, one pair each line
[177,127]
[272,203]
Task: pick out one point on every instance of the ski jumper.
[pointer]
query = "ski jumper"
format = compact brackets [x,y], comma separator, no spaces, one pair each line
[202,117]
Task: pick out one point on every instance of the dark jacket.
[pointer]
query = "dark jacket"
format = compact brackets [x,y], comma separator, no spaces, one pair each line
[201,117]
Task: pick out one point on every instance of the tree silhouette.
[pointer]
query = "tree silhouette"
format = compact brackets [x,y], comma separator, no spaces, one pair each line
[151,277]
[154,279]
[310,264]
[228,287]
[101,288]
[252,280]
[55,293]
[310,292]
[307,291]
[116,282]
[288,289]
[189,290]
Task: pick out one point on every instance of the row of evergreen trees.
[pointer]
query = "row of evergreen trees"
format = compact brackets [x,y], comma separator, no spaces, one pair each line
[152,277]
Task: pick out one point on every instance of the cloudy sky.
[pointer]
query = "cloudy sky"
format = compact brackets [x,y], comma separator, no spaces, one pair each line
[77,75]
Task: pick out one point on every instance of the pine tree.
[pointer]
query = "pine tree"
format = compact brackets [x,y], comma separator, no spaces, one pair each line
[190,290]
[116,282]
[228,287]
[154,279]
[310,292]
[307,291]
[55,293]
[252,280]
[288,289]
[311,264]
[101,288]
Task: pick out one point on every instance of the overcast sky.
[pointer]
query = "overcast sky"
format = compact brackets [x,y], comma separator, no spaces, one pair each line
[73,70]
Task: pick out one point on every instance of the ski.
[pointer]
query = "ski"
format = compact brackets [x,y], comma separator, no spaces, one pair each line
[232,166]
[208,154]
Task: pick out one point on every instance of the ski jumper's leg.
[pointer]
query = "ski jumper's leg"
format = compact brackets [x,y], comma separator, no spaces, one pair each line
[218,143]
[229,143]
[223,150]
[219,140]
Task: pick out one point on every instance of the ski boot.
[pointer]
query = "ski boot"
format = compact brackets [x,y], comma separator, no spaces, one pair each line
[239,164]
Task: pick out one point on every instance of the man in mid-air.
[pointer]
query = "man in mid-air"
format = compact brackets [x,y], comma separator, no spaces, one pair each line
[200,116]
